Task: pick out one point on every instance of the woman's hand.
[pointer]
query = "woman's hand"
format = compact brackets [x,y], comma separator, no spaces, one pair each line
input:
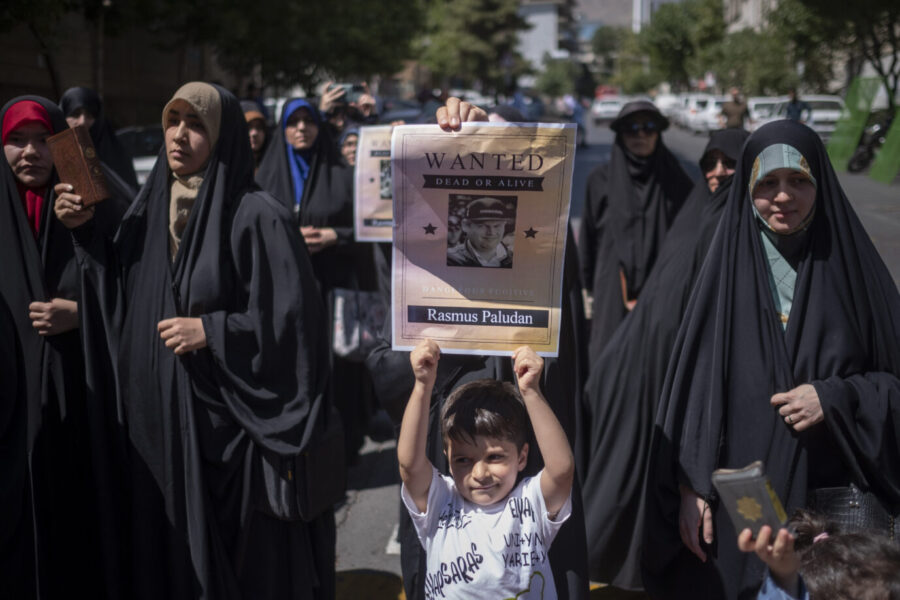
[318,238]
[182,334]
[451,116]
[54,317]
[694,515]
[780,557]
[800,407]
[68,207]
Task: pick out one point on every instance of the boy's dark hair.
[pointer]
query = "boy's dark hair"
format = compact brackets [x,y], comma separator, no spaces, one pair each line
[487,408]
[851,566]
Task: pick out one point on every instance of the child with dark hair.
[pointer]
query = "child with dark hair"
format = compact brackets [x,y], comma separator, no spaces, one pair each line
[819,562]
[485,529]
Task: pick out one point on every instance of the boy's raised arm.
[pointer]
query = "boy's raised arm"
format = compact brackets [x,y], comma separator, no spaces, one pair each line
[559,464]
[415,468]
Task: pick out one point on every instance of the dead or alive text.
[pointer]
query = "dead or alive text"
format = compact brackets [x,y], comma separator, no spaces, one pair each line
[485,160]
[477,291]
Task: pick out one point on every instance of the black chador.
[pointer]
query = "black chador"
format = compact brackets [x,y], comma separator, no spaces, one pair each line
[48,530]
[317,187]
[103,134]
[181,437]
[734,351]
[631,203]
[622,392]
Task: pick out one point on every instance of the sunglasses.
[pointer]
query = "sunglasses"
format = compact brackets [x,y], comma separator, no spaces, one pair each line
[709,164]
[635,127]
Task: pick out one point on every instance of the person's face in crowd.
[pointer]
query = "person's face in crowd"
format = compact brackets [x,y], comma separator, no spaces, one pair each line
[454,231]
[366,105]
[338,118]
[81,116]
[640,134]
[735,94]
[187,141]
[301,130]
[348,149]
[716,167]
[485,469]
[784,198]
[257,129]
[484,235]
[28,156]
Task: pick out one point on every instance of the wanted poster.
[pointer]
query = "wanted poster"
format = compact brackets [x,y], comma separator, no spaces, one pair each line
[373,197]
[480,224]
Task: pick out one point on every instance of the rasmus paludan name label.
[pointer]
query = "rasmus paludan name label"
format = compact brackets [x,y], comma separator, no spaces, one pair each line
[503,317]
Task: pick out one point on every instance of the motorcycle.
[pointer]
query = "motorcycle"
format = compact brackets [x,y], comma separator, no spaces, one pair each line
[871,141]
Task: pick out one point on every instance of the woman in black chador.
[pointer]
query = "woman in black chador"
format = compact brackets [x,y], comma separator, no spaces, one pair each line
[789,353]
[621,394]
[303,169]
[82,106]
[47,532]
[208,357]
[631,202]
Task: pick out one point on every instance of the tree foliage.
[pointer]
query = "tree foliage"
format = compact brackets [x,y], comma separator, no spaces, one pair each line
[871,28]
[474,41]
[292,42]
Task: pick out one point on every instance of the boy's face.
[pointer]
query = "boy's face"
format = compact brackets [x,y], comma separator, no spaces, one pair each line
[485,471]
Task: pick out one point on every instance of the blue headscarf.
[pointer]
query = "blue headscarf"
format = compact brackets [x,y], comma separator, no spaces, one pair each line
[299,160]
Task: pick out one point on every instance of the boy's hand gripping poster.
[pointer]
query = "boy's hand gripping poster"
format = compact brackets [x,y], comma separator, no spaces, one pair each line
[373,205]
[480,224]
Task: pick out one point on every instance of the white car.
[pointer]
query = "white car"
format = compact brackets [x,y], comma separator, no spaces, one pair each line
[825,112]
[823,115]
[709,117]
[761,108]
[607,108]
[668,104]
[692,104]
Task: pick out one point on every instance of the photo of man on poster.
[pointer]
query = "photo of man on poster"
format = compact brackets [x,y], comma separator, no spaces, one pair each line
[485,223]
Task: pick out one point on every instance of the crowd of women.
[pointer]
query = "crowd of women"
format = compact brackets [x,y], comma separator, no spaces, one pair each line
[170,389]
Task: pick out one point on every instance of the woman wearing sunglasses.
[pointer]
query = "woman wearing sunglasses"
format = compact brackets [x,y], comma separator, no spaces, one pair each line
[630,205]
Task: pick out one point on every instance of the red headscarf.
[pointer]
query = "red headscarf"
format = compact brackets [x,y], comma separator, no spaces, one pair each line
[19,114]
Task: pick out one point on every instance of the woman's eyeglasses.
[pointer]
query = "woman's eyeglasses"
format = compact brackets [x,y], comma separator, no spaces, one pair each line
[635,127]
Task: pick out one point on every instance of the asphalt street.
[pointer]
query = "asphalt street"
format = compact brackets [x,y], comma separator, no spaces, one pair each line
[368,561]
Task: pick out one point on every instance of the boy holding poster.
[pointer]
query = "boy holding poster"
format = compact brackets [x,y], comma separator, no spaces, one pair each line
[485,532]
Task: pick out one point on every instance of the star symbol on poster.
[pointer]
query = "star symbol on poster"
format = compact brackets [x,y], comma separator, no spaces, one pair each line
[530,232]
[429,229]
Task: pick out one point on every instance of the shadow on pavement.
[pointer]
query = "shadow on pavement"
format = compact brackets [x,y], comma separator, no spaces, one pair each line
[367,584]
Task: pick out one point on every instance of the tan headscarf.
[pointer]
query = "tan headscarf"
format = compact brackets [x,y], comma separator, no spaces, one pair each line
[205,100]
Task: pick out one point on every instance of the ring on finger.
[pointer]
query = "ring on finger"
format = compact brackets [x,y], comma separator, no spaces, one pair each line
[789,419]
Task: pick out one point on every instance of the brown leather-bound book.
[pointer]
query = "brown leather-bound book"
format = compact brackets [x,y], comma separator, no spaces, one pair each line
[77,163]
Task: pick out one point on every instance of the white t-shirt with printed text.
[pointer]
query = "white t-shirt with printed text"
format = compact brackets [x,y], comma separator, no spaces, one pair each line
[487,552]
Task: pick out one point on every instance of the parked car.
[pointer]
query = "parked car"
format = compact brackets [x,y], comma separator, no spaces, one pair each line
[825,110]
[607,108]
[760,108]
[695,103]
[143,144]
[708,118]
[668,104]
